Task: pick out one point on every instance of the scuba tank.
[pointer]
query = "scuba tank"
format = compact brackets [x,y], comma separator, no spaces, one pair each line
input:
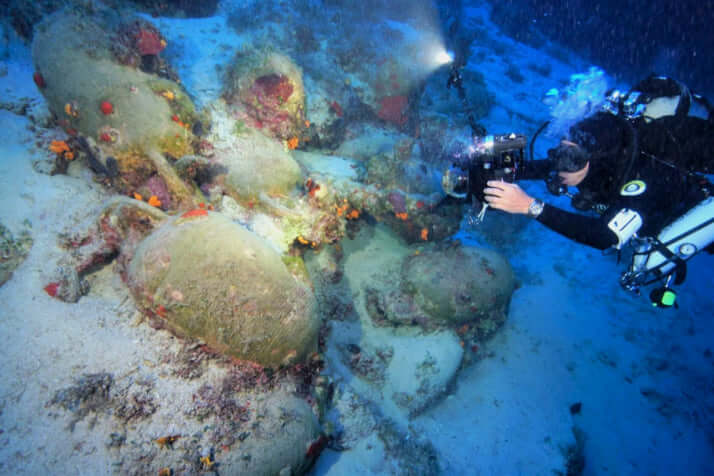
[663,122]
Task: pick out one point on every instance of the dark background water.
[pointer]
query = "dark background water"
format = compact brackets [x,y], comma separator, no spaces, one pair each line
[628,38]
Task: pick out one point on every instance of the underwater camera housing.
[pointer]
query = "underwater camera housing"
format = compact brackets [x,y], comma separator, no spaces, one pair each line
[492,157]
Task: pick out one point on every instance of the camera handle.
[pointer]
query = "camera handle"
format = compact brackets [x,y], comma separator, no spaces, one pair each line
[456,80]
[476,219]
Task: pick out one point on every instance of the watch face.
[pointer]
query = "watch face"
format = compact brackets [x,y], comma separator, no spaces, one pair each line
[535,208]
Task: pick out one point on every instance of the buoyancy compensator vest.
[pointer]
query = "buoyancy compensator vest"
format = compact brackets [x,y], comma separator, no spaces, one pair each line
[673,124]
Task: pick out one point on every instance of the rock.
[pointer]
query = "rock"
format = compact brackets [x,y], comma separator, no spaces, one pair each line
[286,438]
[421,370]
[267,88]
[70,286]
[446,287]
[257,164]
[12,251]
[138,119]
[457,284]
[73,54]
[205,277]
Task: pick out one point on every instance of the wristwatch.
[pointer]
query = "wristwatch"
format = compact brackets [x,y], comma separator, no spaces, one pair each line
[535,208]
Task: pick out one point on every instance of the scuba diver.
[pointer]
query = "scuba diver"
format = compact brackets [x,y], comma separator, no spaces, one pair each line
[639,167]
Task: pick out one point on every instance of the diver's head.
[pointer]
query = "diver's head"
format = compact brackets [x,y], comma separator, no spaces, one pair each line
[571,161]
[572,179]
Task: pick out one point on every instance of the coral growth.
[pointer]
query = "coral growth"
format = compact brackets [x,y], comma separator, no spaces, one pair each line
[90,393]
[156,187]
[266,89]
[398,202]
[266,100]
[371,365]
[106,107]
[393,109]
[273,88]
[148,41]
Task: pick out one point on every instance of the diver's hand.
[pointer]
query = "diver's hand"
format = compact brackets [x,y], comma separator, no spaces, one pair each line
[506,196]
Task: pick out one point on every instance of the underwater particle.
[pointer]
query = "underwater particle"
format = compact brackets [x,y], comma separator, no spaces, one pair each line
[424,234]
[39,80]
[154,201]
[293,143]
[106,107]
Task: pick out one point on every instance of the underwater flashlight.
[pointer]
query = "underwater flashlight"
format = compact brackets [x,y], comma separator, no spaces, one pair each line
[443,57]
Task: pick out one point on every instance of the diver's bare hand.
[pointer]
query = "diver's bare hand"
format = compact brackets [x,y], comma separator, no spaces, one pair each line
[506,196]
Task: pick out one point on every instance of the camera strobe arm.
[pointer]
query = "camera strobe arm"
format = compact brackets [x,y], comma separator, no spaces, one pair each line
[456,80]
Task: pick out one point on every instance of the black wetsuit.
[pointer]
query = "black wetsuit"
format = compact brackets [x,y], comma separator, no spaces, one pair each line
[667,194]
